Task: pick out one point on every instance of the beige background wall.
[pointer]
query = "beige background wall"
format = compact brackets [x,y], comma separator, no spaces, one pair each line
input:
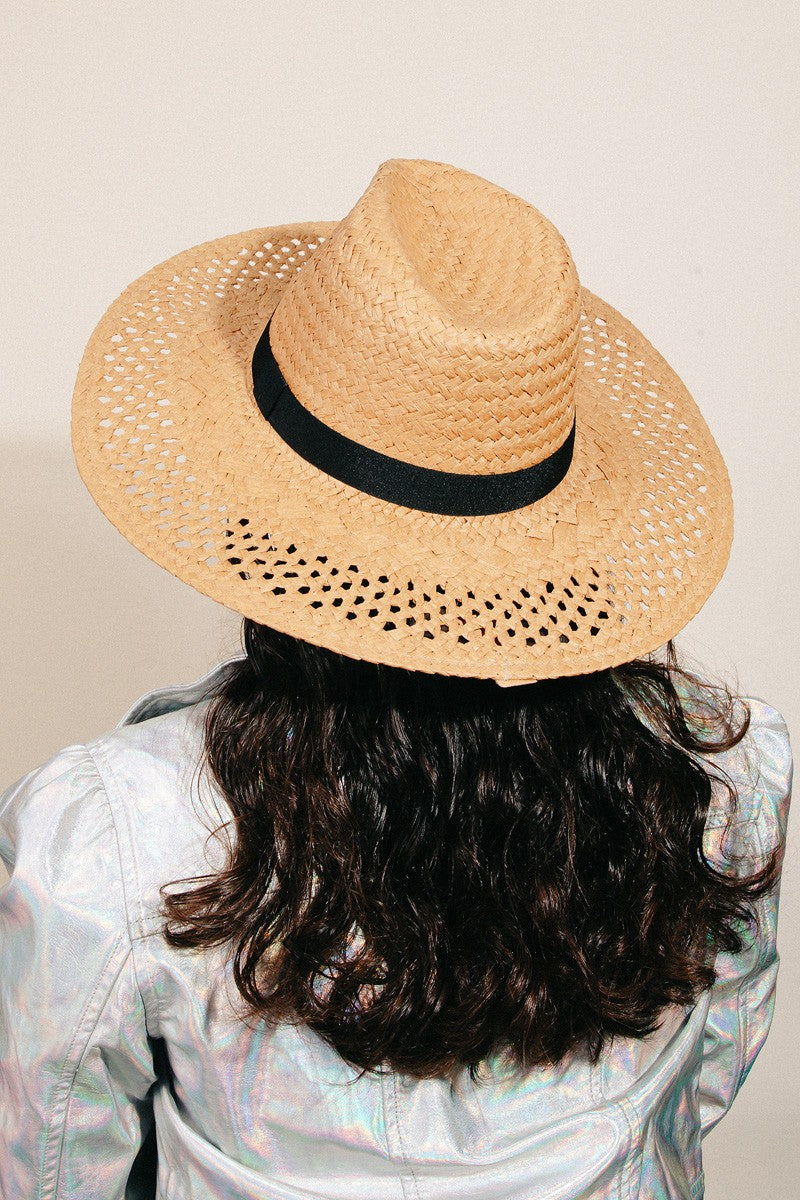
[661,140]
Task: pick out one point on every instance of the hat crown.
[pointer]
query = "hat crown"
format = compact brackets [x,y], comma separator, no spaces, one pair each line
[438,324]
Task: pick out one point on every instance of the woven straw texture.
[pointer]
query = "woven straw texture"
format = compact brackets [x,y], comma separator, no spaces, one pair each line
[442,323]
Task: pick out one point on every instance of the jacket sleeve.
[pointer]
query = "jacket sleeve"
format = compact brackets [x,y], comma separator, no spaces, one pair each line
[75,1059]
[742,999]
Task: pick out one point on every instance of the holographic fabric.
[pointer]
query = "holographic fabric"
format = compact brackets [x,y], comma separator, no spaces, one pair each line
[125,1070]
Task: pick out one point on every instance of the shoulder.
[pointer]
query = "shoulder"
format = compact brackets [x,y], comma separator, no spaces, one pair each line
[762,760]
[768,725]
[760,769]
[134,800]
[152,766]
[768,735]
[165,807]
[51,803]
[160,750]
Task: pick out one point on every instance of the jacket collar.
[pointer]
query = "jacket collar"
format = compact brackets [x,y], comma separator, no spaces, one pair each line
[180,695]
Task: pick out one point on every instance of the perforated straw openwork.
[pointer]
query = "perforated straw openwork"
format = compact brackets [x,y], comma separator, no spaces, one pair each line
[440,329]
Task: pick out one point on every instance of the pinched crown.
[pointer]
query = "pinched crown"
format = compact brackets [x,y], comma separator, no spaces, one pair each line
[438,324]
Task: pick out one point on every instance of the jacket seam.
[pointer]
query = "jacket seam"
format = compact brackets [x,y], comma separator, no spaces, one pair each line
[742,1009]
[52,1158]
[760,963]
[408,1166]
[54,1149]
[632,1166]
[109,784]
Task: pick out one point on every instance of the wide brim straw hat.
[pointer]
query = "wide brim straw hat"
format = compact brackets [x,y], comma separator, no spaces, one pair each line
[411,437]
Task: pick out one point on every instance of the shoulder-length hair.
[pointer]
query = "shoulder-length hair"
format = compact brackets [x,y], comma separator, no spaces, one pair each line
[429,870]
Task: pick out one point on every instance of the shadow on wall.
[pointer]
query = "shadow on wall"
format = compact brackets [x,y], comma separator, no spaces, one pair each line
[90,622]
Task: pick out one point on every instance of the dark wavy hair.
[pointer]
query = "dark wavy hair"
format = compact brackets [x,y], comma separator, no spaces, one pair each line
[429,870]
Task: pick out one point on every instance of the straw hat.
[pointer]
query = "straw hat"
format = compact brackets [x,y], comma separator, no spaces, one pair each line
[411,437]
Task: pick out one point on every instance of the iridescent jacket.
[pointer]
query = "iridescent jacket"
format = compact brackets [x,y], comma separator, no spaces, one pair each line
[126,1070]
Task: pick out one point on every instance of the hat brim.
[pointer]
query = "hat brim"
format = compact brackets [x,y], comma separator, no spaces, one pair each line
[171,444]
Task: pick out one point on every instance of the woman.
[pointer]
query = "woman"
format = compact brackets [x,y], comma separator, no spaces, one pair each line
[452,885]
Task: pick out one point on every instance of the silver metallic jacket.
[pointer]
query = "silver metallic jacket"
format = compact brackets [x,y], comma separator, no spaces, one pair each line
[125,1070]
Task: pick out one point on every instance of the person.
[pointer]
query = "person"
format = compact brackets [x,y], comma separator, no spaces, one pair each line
[456,882]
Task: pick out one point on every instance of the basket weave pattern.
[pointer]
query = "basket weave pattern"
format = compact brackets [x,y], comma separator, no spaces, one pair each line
[170,442]
[445,307]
